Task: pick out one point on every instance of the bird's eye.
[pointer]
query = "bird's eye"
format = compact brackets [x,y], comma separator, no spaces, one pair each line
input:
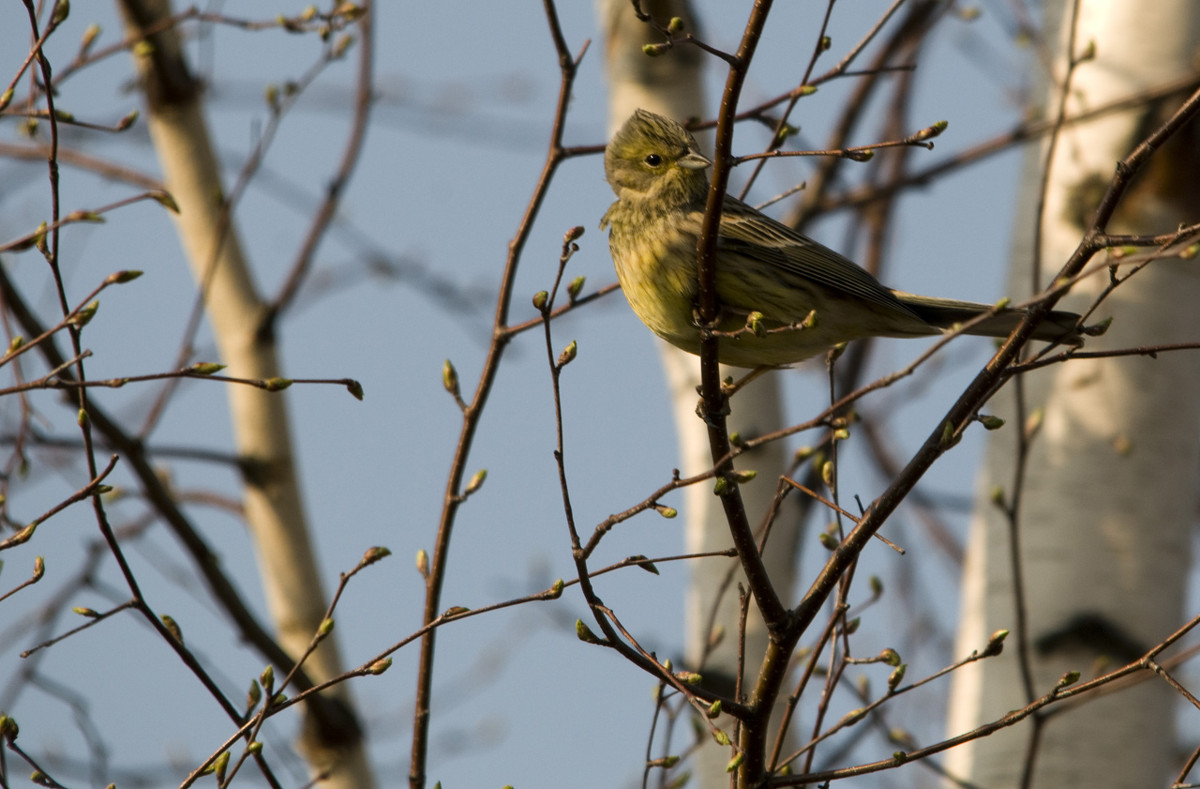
[653,159]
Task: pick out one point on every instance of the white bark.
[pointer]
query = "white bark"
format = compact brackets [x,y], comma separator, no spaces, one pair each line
[672,85]
[1110,493]
[274,511]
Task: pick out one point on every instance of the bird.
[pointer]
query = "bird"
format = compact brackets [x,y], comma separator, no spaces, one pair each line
[782,297]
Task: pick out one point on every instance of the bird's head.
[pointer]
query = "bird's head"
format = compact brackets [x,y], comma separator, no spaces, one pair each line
[654,158]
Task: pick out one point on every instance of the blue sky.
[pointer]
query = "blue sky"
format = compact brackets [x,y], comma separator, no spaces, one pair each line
[466,95]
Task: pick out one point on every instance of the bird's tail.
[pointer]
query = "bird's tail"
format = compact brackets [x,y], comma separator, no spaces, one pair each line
[1059,326]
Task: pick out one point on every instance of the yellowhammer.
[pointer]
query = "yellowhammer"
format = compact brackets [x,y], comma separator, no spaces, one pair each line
[656,169]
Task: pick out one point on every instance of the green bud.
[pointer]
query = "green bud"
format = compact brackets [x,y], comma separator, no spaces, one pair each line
[89,37]
[675,26]
[325,628]
[476,482]
[575,286]
[721,737]
[995,644]
[450,378]
[166,200]
[948,439]
[121,277]
[340,47]
[127,121]
[714,709]
[172,627]
[666,512]
[555,590]
[735,762]
[644,563]
[540,299]
[785,132]
[254,748]
[568,354]
[380,666]
[254,695]
[84,611]
[84,216]
[374,554]
[206,368]
[277,384]
[85,314]
[990,422]
[852,717]
[896,677]
[890,656]
[423,563]
[755,325]
[1068,679]
[585,634]
[929,132]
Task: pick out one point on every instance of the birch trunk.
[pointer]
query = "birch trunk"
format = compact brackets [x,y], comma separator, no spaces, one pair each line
[274,511]
[1108,500]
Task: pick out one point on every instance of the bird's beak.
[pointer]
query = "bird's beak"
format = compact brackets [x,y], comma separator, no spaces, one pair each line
[693,161]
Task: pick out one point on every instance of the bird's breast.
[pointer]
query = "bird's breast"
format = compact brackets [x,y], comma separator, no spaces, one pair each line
[657,271]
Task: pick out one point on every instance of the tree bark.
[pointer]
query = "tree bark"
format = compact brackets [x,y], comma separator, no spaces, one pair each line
[1108,495]
[274,510]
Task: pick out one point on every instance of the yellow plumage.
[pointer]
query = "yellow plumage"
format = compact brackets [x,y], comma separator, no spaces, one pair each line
[658,174]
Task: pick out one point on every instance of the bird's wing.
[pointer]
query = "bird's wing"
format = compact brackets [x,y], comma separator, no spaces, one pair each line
[747,232]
